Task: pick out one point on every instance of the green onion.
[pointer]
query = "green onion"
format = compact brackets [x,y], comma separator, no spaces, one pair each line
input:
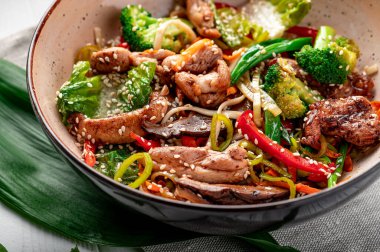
[332,180]
[258,53]
[213,134]
[292,186]
[126,163]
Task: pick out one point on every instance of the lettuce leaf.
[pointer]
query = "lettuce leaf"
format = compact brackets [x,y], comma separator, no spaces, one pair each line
[275,16]
[79,93]
[136,90]
[233,26]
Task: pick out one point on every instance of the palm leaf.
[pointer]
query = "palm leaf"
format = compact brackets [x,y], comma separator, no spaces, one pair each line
[37,183]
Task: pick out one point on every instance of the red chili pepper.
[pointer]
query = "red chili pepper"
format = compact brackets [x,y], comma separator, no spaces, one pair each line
[249,129]
[89,153]
[202,141]
[189,141]
[123,44]
[144,143]
[302,31]
[293,171]
[219,5]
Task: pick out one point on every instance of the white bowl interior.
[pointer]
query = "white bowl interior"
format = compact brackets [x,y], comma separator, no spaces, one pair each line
[70,24]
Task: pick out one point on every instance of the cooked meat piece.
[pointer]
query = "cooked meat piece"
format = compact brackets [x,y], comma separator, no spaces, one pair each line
[356,85]
[232,194]
[194,125]
[156,56]
[352,119]
[116,129]
[202,164]
[199,58]
[136,58]
[202,17]
[185,194]
[114,59]
[208,90]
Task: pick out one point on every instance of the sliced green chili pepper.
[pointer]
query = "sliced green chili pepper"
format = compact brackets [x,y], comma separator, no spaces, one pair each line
[145,174]
[332,180]
[276,168]
[214,138]
[292,186]
[250,146]
[263,51]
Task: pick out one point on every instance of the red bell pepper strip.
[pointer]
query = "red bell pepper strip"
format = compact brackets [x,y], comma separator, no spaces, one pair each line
[144,143]
[123,44]
[89,153]
[250,131]
[302,31]
[189,141]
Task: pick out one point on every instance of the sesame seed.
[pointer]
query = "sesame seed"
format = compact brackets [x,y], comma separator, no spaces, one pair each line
[256,142]
[101,60]
[172,171]
[192,166]
[177,156]
[114,55]
[282,150]
[153,118]
[120,132]
[246,136]
[162,167]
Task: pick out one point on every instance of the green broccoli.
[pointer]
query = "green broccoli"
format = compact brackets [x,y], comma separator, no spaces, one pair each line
[329,61]
[140,29]
[290,93]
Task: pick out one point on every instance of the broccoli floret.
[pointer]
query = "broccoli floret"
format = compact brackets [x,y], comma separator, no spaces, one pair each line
[329,61]
[290,93]
[140,28]
[349,44]
[323,64]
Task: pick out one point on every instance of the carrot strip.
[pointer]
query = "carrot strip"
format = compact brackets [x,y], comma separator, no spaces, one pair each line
[376,107]
[231,90]
[348,165]
[152,187]
[272,173]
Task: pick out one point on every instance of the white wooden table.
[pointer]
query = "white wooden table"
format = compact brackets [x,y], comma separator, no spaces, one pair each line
[16,233]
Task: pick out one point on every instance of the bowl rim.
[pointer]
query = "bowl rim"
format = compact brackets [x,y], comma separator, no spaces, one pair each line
[54,138]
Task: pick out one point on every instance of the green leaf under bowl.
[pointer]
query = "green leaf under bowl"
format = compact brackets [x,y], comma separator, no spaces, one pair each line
[38,184]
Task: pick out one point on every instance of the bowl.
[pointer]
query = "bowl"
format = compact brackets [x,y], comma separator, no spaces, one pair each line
[69,24]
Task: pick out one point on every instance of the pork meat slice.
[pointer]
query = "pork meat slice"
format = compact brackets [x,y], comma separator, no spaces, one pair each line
[201,16]
[230,194]
[208,90]
[116,129]
[199,58]
[352,119]
[202,164]
[114,59]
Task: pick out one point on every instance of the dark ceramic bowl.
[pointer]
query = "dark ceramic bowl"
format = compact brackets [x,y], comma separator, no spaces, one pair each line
[68,25]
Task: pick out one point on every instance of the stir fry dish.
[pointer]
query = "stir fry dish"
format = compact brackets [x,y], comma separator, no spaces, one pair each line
[221,104]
